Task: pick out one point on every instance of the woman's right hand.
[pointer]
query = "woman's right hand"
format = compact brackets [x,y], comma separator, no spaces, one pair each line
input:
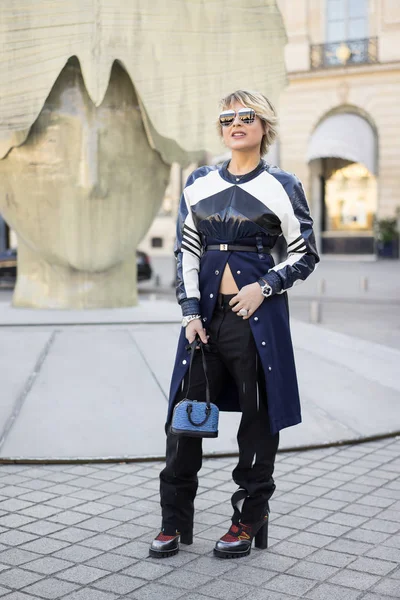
[195,327]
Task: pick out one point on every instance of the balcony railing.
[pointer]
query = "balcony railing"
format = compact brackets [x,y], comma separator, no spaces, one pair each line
[349,52]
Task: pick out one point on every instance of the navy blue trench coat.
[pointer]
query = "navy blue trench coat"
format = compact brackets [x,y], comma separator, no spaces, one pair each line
[254,209]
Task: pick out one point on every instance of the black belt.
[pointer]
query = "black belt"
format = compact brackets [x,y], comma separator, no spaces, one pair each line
[226,247]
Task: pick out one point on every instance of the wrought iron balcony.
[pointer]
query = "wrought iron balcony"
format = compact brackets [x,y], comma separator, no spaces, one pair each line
[349,52]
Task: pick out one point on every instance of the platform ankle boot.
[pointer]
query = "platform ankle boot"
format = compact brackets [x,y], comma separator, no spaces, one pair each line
[164,545]
[238,540]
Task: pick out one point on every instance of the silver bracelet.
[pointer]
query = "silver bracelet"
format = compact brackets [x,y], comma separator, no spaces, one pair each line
[186,320]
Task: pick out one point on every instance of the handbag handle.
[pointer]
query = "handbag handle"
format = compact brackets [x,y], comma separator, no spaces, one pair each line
[193,346]
[189,413]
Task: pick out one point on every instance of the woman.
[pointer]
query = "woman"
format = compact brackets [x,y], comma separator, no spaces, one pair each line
[234,299]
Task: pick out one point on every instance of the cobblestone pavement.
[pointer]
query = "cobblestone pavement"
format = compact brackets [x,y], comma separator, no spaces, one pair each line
[82,532]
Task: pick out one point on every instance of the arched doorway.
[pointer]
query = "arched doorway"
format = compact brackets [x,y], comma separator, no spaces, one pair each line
[342,154]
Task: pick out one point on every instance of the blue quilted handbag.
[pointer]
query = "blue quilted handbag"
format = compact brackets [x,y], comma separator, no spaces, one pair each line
[196,418]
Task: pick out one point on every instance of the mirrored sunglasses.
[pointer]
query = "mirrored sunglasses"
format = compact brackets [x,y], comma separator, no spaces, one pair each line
[246,115]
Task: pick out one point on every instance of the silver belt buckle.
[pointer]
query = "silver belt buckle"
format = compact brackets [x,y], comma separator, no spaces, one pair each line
[223,246]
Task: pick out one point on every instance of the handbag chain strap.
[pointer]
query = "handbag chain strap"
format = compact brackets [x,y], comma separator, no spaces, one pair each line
[193,347]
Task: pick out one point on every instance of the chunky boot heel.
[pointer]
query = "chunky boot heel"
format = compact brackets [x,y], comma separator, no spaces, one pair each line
[261,537]
[186,537]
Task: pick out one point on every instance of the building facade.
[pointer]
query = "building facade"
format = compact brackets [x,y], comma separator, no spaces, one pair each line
[340,115]
[339,121]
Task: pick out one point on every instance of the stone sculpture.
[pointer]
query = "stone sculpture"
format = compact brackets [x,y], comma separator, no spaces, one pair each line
[96,103]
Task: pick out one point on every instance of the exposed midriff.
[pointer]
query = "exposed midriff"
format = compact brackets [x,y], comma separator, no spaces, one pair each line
[228,284]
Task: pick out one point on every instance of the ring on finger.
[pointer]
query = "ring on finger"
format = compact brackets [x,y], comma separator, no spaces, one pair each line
[243,312]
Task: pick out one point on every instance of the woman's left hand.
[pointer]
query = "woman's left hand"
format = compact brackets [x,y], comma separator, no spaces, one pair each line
[250,297]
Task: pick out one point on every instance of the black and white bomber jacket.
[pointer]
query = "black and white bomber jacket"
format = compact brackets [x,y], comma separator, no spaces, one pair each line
[254,209]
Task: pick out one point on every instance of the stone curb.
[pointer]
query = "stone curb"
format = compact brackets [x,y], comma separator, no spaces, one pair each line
[210,455]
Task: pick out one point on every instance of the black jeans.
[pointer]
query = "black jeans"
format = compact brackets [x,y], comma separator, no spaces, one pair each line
[232,353]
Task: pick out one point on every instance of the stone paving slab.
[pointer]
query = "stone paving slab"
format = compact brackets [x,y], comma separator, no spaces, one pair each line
[82,531]
[15,374]
[101,391]
[89,396]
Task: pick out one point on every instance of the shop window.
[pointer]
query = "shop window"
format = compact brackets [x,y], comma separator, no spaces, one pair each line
[351,199]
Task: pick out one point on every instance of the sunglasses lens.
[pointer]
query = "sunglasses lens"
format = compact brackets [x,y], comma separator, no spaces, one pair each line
[247,115]
[227,117]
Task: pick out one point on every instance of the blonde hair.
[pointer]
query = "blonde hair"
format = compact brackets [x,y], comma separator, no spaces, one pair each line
[263,108]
